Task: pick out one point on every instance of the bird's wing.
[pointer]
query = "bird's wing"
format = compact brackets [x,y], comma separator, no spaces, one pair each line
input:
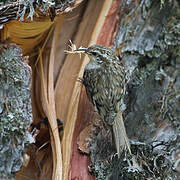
[104,90]
[89,81]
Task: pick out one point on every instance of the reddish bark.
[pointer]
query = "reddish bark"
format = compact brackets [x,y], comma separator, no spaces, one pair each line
[108,32]
[80,161]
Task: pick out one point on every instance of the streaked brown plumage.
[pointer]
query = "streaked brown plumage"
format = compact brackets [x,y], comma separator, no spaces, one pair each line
[104,79]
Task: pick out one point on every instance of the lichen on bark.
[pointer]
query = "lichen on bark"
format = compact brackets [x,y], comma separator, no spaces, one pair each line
[19,9]
[15,109]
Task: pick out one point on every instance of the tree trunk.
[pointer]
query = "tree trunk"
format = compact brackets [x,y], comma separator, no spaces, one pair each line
[146,36]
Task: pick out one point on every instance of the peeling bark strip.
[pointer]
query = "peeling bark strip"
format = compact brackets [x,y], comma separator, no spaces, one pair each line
[68,87]
[15,109]
[12,10]
[8,12]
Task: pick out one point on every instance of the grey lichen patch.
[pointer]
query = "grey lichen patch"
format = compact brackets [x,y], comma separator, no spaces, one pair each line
[45,6]
[15,109]
[61,4]
[13,9]
[141,29]
[153,165]
[3,2]
[151,160]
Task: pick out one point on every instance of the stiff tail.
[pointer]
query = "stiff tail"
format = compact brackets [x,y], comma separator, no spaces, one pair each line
[120,135]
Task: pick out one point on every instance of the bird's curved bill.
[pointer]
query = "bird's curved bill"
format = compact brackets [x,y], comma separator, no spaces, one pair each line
[81,50]
[74,50]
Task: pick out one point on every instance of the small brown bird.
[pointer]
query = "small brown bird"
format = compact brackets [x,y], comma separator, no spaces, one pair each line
[104,79]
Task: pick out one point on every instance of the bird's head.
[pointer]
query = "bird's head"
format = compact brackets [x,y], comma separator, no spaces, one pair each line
[99,54]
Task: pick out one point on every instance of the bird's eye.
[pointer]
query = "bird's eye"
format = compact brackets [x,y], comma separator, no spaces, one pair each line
[99,60]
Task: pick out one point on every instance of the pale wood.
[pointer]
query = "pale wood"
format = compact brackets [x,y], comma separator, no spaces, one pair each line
[55,140]
[67,88]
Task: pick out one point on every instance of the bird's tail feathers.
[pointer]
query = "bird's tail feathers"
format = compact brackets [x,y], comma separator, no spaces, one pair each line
[121,139]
